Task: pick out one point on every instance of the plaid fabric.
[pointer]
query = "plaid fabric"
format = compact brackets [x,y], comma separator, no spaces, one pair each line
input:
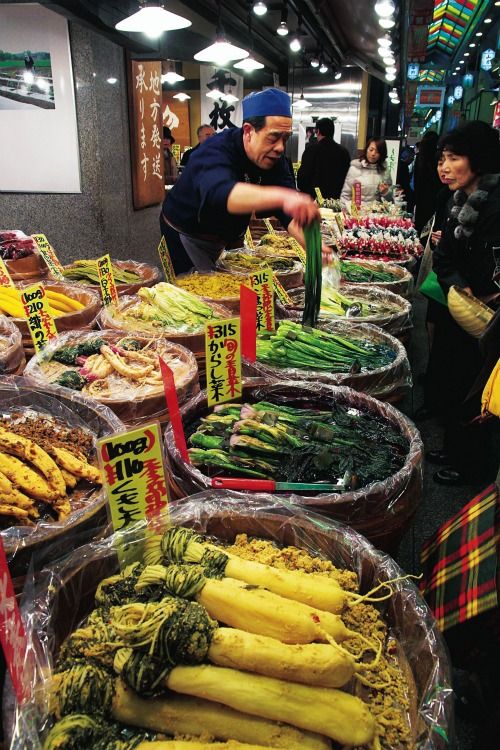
[459,562]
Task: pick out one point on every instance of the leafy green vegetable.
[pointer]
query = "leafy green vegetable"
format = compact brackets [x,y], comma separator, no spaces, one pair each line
[71,379]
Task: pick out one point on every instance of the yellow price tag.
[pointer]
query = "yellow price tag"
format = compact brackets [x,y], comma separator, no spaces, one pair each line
[37,311]
[176,152]
[299,250]
[166,261]
[5,279]
[340,222]
[223,355]
[249,239]
[280,291]
[107,281]
[269,226]
[134,481]
[262,283]
[319,197]
[48,254]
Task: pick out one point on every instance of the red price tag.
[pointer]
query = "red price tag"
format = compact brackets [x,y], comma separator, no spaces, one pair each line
[248,318]
[173,410]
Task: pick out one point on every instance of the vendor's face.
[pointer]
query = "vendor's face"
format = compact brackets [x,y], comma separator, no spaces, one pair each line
[455,172]
[266,146]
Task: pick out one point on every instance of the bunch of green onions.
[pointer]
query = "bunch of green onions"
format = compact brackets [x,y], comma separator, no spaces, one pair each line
[361,274]
[313,274]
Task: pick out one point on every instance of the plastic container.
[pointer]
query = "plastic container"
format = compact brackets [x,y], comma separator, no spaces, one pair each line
[12,359]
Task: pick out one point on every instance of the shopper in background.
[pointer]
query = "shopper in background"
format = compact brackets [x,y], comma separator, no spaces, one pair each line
[404,175]
[203,132]
[324,163]
[371,172]
[171,171]
[427,184]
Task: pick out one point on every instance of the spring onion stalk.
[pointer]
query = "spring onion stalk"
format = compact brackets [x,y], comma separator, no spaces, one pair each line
[313,274]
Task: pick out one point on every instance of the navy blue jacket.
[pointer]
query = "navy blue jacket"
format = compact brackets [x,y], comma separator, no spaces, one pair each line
[197,204]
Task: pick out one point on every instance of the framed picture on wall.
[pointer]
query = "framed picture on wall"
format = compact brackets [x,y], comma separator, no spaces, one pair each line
[38,131]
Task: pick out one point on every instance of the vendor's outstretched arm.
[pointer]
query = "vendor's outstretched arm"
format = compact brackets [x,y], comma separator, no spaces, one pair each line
[296,231]
[245,198]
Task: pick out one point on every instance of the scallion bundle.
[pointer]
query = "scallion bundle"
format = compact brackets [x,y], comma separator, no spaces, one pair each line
[313,274]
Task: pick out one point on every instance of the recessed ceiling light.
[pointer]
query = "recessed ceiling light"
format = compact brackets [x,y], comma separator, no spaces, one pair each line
[488,20]
[112,80]
[461,62]
[466,54]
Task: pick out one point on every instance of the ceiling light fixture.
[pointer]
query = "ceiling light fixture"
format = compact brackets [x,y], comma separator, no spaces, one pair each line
[282,29]
[152,19]
[171,77]
[466,54]
[260,8]
[384,8]
[314,62]
[221,52]
[461,62]
[301,103]
[249,64]
[472,44]
[391,70]
[323,68]
[389,61]
[295,43]
[181,96]
[390,77]
[230,98]
[215,94]
[387,23]
[488,20]
[385,41]
[112,80]
[338,75]
[479,33]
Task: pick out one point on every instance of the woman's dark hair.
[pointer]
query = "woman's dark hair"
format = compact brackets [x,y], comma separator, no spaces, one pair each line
[382,150]
[167,133]
[476,140]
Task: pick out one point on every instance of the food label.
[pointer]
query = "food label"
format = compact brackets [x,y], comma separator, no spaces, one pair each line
[248,318]
[13,635]
[299,250]
[37,311]
[107,281]
[249,239]
[176,152]
[223,353]
[134,476]
[262,282]
[5,279]
[269,226]
[296,167]
[173,410]
[340,222]
[280,291]
[48,254]
[166,261]
[355,198]
[319,197]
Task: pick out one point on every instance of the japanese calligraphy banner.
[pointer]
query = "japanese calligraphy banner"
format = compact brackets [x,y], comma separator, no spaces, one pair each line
[262,282]
[166,261]
[5,279]
[107,281]
[144,84]
[223,354]
[49,255]
[37,311]
[12,634]
[219,113]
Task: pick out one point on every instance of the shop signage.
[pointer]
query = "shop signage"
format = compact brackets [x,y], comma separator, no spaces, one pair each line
[176,152]
[458,92]
[280,291]
[173,409]
[249,239]
[166,261]
[356,198]
[468,80]
[451,100]
[5,279]
[319,197]
[37,311]
[430,96]
[413,71]
[248,319]
[340,222]
[48,254]
[107,281]
[223,355]
[13,634]
[262,282]
[145,113]
[487,59]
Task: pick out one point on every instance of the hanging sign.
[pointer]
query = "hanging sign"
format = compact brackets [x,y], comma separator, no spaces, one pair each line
[280,291]
[37,311]
[269,226]
[319,197]
[107,281]
[13,634]
[223,355]
[249,239]
[173,410]
[262,282]
[48,254]
[248,318]
[166,261]
[5,279]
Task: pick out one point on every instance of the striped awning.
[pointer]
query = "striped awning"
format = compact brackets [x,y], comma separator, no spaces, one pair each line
[451,20]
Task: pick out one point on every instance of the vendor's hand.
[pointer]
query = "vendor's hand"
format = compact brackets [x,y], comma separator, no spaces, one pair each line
[436,237]
[300,207]
[327,254]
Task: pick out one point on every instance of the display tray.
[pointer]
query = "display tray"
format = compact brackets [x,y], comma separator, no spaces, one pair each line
[382,510]
[32,267]
[150,275]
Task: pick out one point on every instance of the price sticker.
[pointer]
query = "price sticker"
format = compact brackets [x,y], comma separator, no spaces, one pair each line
[299,250]
[280,291]
[249,239]
[269,226]
[13,635]
[223,355]
[5,279]
[107,281]
[262,283]
[166,261]
[319,197]
[41,324]
[49,255]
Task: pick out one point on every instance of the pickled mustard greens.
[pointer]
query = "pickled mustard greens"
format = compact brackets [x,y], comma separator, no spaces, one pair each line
[345,446]
[296,346]
[359,273]
[86,271]
[211,285]
[278,244]
[250,262]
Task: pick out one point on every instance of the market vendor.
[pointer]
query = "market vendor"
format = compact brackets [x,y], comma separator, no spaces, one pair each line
[238,171]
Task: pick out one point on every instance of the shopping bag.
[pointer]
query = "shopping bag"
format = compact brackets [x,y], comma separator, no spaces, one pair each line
[431,288]
[490,400]
[426,262]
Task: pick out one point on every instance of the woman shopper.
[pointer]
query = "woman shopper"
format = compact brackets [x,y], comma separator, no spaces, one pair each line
[427,183]
[465,257]
[370,170]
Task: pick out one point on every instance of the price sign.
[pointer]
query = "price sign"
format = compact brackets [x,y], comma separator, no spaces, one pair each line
[301,253]
[296,167]
[340,222]
[48,254]
[13,634]
[249,239]
[262,282]
[319,197]
[173,410]
[223,354]
[5,279]
[37,311]
[134,476]
[280,291]
[355,198]
[176,152]
[107,281]
[166,261]
[269,226]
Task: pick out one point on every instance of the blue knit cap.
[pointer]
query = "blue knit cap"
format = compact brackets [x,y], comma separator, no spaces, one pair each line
[266,104]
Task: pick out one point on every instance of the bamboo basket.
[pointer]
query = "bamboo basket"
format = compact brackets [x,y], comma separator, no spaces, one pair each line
[468,311]
[150,276]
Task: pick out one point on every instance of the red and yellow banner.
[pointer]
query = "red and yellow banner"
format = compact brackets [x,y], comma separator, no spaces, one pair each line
[37,311]
[107,281]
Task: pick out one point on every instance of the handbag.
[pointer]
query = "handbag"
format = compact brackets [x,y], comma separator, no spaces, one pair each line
[468,311]
[426,262]
[490,400]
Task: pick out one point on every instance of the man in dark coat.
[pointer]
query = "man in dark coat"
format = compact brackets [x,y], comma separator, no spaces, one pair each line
[324,163]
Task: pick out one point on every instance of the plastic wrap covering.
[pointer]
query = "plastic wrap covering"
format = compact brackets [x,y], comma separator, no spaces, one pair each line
[134,315]
[21,256]
[66,595]
[107,366]
[87,501]
[388,382]
[289,272]
[12,359]
[401,284]
[84,273]
[381,511]
[384,309]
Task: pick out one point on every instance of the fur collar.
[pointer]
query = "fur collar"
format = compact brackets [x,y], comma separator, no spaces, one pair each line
[466,207]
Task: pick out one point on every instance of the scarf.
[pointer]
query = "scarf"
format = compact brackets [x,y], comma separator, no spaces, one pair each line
[466,207]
